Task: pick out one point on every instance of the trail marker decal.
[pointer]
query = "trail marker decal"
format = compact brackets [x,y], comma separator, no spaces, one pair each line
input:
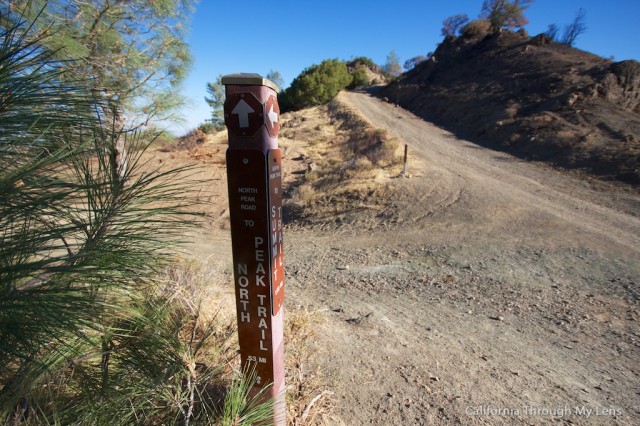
[244,114]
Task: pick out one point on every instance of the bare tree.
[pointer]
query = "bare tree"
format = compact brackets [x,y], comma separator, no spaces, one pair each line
[577,27]
[552,32]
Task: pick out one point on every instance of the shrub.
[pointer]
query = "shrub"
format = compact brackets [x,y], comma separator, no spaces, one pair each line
[475,28]
[316,85]
[541,39]
[381,148]
[360,78]
[305,196]
[363,61]
[209,128]
[192,139]
[374,145]
[505,13]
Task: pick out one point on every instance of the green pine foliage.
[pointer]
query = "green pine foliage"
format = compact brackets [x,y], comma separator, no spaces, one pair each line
[93,330]
[240,408]
[135,52]
[215,100]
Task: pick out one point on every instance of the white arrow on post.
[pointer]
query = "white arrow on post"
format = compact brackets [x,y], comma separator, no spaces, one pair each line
[273,116]
[243,110]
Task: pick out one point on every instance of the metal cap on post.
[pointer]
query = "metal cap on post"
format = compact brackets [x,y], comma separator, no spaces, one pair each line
[249,79]
[254,173]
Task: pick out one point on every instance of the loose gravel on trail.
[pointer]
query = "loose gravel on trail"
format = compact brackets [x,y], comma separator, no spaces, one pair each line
[485,290]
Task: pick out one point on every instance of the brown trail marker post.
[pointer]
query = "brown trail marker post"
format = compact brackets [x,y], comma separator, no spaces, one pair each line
[254,174]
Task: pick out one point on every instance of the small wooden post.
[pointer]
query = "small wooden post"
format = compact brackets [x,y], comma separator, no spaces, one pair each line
[404,168]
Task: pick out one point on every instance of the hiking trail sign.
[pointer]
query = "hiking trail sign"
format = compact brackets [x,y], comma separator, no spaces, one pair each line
[254,175]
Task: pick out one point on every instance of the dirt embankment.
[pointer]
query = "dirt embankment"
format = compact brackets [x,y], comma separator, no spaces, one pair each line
[533,98]
[342,165]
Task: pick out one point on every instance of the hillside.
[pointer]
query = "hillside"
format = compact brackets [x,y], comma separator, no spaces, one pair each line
[533,98]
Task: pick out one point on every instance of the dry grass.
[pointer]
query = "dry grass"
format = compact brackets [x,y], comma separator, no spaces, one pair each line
[199,290]
[345,159]
[199,293]
[307,397]
[204,293]
[305,195]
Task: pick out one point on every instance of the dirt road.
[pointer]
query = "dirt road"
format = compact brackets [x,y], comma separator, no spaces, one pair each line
[493,291]
[484,290]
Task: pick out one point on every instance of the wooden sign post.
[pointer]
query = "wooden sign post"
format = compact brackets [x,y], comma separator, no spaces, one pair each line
[254,173]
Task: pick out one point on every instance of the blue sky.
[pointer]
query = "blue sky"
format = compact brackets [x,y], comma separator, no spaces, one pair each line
[288,36]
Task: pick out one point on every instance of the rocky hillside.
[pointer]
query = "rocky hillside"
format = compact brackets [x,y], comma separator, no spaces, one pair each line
[533,98]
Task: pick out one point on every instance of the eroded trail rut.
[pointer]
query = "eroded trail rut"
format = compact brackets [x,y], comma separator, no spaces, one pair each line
[501,292]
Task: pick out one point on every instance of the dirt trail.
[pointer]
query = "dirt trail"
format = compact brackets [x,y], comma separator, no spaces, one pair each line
[495,291]
[486,290]
[496,176]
